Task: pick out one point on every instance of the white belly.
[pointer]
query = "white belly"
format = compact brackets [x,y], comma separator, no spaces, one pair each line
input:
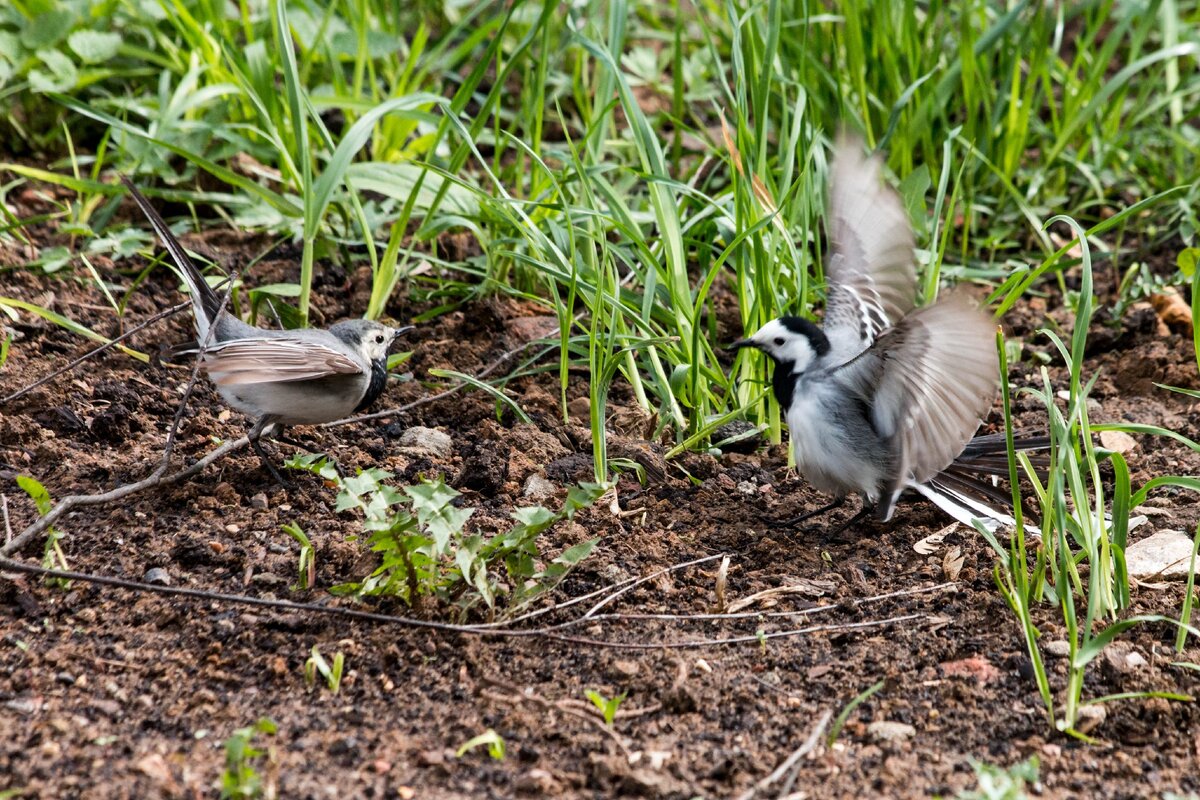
[295,402]
[823,457]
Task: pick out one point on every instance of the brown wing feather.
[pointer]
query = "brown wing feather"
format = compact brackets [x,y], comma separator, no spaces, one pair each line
[934,376]
[243,361]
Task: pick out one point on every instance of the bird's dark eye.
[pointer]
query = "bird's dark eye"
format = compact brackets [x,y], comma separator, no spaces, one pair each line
[779,341]
[379,339]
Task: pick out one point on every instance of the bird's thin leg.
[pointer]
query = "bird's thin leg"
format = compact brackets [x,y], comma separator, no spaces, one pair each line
[838,503]
[863,512]
[254,436]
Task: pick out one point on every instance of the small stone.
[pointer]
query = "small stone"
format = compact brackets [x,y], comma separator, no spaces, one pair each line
[886,731]
[1090,718]
[406,793]
[1117,441]
[427,441]
[750,439]
[580,408]
[259,502]
[614,573]
[431,758]
[157,575]
[24,705]
[976,667]
[231,528]
[747,488]
[1166,554]
[625,670]
[1058,648]
[154,766]
[1135,660]
[268,579]
[65,678]
[345,744]
[1121,658]
[538,488]
[538,782]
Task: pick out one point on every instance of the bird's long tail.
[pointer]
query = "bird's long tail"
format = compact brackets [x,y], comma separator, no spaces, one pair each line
[963,490]
[205,301]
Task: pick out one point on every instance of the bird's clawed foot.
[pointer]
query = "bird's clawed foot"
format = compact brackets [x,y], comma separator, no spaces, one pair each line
[261,427]
[835,531]
[794,521]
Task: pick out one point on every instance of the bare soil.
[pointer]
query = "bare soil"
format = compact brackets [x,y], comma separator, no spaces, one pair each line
[111,693]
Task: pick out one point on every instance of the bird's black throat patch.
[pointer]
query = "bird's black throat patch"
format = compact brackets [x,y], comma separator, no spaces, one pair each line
[376,386]
[783,383]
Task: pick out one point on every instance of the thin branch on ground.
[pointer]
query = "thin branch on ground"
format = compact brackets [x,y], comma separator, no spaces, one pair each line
[93,353]
[155,479]
[622,713]
[728,640]
[800,752]
[9,565]
[7,523]
[605,590]
[710,617]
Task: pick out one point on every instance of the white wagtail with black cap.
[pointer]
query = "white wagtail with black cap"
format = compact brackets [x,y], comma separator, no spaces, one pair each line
[885,397]
[280,377]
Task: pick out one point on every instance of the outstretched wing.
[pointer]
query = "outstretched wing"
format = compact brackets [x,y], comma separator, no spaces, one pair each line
[929,381]
[871,276]
[274,360]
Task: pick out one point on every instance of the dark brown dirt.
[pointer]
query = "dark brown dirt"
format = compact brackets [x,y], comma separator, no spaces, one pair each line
[107,693]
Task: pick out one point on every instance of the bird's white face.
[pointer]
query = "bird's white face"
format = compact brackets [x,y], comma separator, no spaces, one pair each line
[783,344]
[376,340]
[371,339]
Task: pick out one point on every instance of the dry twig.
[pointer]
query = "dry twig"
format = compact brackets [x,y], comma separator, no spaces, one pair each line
[155,479]
[800,752]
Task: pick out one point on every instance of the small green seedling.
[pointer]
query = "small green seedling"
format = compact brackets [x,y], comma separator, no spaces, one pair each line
[493,740]
[316,664]
[608,705]
[998,783]
[52,556]
[840,722]
[307,567]
[241,779]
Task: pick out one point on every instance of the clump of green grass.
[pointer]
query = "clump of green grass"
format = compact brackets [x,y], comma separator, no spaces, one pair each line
[605,187]
[1079,567]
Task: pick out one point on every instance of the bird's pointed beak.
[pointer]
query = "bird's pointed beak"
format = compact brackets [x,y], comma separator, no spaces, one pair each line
[741,343]
[398,332]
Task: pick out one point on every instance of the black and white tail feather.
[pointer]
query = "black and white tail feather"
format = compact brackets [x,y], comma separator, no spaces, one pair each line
[884,397]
